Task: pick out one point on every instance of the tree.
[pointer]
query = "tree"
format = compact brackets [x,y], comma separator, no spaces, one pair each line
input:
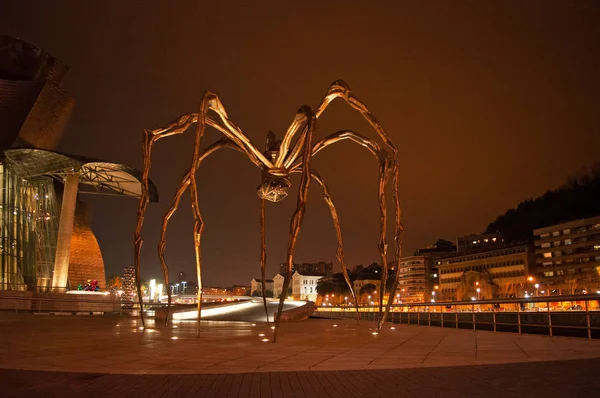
[115,283]
[268,293]
[443,243]
[576,199]
[368,288]
[326,288]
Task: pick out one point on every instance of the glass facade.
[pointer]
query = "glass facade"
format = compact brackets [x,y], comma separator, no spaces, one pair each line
[28,231]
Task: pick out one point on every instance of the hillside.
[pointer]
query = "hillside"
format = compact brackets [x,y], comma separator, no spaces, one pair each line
[578,198]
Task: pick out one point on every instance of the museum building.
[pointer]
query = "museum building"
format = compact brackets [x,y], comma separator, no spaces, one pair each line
[46,243]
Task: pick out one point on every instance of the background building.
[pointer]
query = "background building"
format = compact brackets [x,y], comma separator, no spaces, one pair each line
[240,290]
[320,267]
[417,279]
[278,285]
[304,286]
[478,242]
[498,272]
[567,256]
[256,286]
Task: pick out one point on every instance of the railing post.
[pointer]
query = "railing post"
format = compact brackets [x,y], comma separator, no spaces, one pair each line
[442,316]
[519,316]
[587,318]
[456,316]
[418,317]
[473,315]
[408,316]
[549,319]
[429,315]
[494,315]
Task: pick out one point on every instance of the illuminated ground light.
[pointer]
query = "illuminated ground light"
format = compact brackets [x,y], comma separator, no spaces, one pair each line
[254,324]
[393,328]
[261,335]
[213,311]
[141,328]
[335,326]
[272,327]
[175,327]
[375,333]
[265,340]
[174,338]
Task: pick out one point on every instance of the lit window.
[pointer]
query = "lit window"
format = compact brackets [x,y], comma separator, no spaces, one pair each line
[493,239]
[547,255]
[474,242]
[486,240]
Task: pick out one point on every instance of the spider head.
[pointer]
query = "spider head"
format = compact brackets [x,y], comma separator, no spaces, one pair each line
[273,187]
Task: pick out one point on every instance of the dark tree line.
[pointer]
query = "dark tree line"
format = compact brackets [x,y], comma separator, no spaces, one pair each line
[578,198]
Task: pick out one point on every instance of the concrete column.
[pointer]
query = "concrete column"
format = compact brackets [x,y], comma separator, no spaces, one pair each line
[65,231]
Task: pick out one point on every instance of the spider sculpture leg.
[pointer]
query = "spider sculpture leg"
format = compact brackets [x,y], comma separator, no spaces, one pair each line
[149,138]
[298,215]
[183,185]
[338,232]
[339,89]
[210,101]
[263,258]
[383,161]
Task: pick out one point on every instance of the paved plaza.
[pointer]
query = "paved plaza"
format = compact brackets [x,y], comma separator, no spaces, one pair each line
[67,355]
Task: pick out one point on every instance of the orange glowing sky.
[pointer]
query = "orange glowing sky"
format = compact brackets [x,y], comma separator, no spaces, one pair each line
[489,104]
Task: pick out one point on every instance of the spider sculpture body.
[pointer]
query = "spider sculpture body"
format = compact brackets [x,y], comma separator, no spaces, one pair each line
[292,154]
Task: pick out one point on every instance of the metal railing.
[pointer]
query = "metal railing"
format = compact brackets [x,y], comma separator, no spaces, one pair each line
[551,315]
[12,301]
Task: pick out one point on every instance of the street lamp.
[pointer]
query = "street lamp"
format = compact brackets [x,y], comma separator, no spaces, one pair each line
[537,289]
[478,291]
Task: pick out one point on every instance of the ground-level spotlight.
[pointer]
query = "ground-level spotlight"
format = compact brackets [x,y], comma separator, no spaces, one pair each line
[375,333]
[261,335]
[393,328]
[265,340]
[141,328]
[254,324]
[272,327]
[174,338]
[335,326]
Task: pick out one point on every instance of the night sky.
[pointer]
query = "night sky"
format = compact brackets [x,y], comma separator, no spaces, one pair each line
[489,104]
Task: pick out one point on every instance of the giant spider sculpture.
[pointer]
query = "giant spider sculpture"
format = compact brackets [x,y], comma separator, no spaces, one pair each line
[280,159]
